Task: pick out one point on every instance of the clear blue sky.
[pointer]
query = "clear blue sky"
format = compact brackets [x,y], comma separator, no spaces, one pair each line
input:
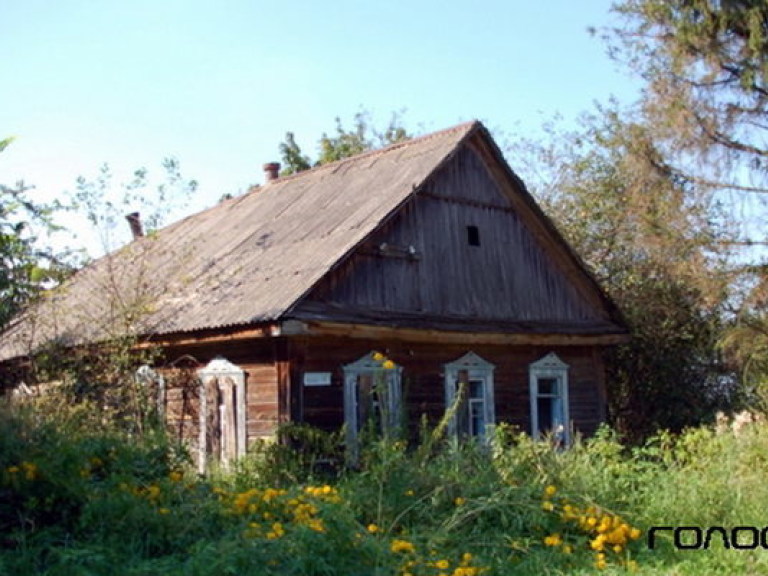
[218,83]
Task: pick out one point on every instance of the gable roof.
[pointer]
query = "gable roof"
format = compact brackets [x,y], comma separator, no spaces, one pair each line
[248,259]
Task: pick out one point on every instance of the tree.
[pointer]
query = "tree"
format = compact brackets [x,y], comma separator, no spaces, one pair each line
[659,255]
[345,143]
[293,159]
[25,266]
[704,64]
[705,68]
[105,372]
[105,204]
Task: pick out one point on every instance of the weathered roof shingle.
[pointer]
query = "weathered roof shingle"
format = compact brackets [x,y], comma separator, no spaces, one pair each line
[245,260]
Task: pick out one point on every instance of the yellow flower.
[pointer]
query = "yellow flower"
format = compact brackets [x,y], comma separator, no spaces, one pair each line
[466,558]
[550,490]
[30,470]
[277,531]
[553,540]
[388,365]
[442,564]
[163,511]
[600,561]
[598,543]
[378,356]
[409,492]
[547,505]
[634,533]
[466,571]
[402,546]
[372,528]
[175,476]
[13,469]
[459,501]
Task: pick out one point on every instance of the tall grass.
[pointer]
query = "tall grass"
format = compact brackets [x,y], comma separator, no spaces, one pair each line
[78,497]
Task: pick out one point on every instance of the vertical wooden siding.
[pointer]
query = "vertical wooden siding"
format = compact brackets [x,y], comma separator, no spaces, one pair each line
[510,276]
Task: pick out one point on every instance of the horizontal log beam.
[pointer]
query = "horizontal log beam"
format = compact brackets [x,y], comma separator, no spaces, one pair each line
[191,339]
[439,336]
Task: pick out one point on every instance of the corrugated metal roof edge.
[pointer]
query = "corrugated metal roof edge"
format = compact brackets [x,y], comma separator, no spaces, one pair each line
[377,152]
[470,125]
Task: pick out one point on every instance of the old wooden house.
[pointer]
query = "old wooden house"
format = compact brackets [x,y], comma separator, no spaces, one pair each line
[380,286]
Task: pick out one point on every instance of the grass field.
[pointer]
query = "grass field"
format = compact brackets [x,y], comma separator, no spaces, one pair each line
[77,498]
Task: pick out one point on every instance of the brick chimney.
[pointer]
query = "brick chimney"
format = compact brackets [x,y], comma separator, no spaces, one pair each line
[134,221]
[271,171]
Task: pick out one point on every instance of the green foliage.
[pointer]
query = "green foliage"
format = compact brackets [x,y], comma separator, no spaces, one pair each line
[301,454]
[345,143]
[656,246]
[105,204]
[293,160]
[80,498]
[704,68]
[705,64]
[25,266]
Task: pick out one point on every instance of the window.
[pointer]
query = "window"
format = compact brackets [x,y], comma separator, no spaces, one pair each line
[372,396]
[549,399]
[473,236]
[153,384]
[470,378]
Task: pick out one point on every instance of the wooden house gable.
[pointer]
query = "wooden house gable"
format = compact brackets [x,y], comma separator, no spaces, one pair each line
[461,250]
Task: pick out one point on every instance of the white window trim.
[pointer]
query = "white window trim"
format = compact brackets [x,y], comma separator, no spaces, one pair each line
[368,365]
[477,369]
[145,376]
[550,366]
[226,374]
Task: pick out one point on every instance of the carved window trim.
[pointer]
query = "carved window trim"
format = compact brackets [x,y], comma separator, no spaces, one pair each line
[390,381]
[229,379]
[553,372]
[470,369]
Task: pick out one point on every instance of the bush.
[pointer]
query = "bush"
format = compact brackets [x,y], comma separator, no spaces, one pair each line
[80,499]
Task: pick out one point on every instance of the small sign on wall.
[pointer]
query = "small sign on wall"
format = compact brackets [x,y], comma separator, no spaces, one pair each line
[317,378]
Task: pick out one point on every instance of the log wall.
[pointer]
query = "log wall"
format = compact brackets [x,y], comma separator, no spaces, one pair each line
[259,358]
[423,380]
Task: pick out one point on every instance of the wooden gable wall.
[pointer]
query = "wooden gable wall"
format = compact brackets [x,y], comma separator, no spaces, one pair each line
[422,264]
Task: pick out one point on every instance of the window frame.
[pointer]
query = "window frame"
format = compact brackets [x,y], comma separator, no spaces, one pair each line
[229,379]
[550,367]
[477,369]
[369,365]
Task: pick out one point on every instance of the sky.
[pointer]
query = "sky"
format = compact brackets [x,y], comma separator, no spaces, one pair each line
[217,84]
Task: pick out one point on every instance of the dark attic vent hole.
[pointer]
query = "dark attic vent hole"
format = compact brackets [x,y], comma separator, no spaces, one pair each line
[473,236]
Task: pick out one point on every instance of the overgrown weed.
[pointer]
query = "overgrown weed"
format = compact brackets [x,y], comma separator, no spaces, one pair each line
[79,498]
